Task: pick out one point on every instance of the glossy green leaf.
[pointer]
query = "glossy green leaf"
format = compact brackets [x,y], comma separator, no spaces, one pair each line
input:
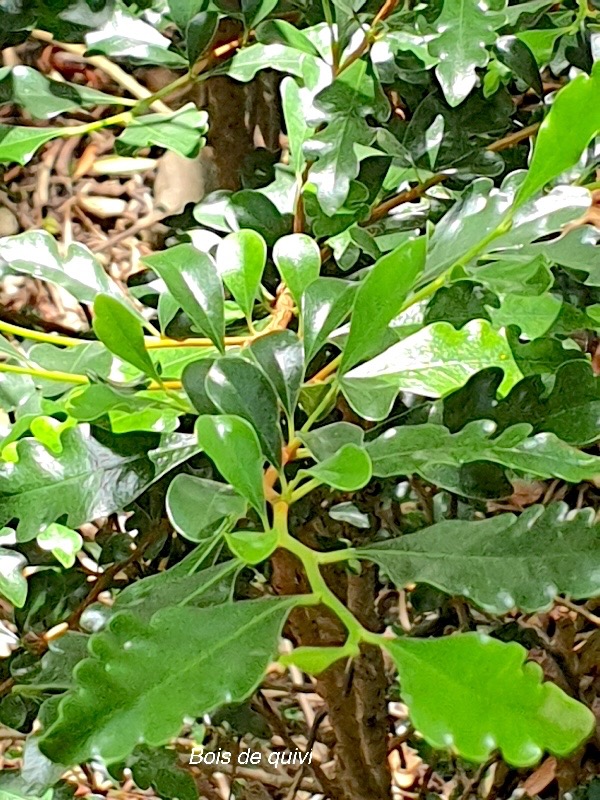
[233,445]
[255,11]
[13,585]
[464,30]
[249,60]
[559,143]
[501,563]
[278,31]
[515,54]
[473,695]
[298,260]
[36,253]
[239,387]
[198,507]
[19,144]
[200,33]
[194,383]
[45,98]
[432,362]
[325,441]
[121,331]
[280,355]
[252,547]
[430,449]
[348,469]
[182,131]
[241,259]
[88,480]
[124,36]
[570,409]
[141,698]
[325,305]
[182,11]
[380,298]
[63,542]
[193,280]
[252,209]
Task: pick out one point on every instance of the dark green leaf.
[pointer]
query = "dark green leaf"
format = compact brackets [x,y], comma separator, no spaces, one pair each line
[194,383]
[251,209]
[520,60]
[200,33]
[281,357]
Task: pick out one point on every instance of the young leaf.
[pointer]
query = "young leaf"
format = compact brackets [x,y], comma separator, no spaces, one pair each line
[19,144]
[241,259]
[145,696]
[182,131]
[193,280]
[237,386]
[298,260]
[324,442]
[280,355]
[430,449]
[432,363]
[64,543]
[501,563]
[13,585]
[121,331]
[380,298]
[559,143]
[474,694]
[348,469]
[233,445]
[464,31]
[252,547]
[88,480]
[313,660]
[325,305]
[220,505]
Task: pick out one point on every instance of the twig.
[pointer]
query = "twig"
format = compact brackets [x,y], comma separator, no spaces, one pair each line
[581,610]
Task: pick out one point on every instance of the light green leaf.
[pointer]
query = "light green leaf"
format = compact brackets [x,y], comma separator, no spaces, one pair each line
[298,260]
[252,547]
[145,696]
[219,506]
[380,298]
[465,30]
[19,144]
[559,143]
[63,542]
[249,60]
[237,386]
[501,563]
[297,128]
[192,278]
[278,31]
[324,442]
[13,585]
[348,469]
[432,362]
[121,331]
[474,694]
[182,131]
[241,259]
[233,445]
[313,660]
[36,253]
[88,480]
[325,305]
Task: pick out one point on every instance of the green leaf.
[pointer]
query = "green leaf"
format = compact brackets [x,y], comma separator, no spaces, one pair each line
[515,54]
[325,442]
[141,698]
[474,694]
[430,449]
[465,30]
[298,260]
[255,11]
[63,542]
[252,209]
[160,769]
[121,331]
[346,101]
[194,383]
[280,355]
[44,98]
[192,278]
[559,143]
[237,386]
[348,469]
[233,445]
[241,259]
[502,563]
[90,479]
[252,547]
[380,298]
[200,33]
[278,31]
[570,410]
[298,130]
[325,305]
[432,362]
[36,253]
[183,11]
[19,144]
[249,60]
[182,131]
[13,584]
[220,506]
